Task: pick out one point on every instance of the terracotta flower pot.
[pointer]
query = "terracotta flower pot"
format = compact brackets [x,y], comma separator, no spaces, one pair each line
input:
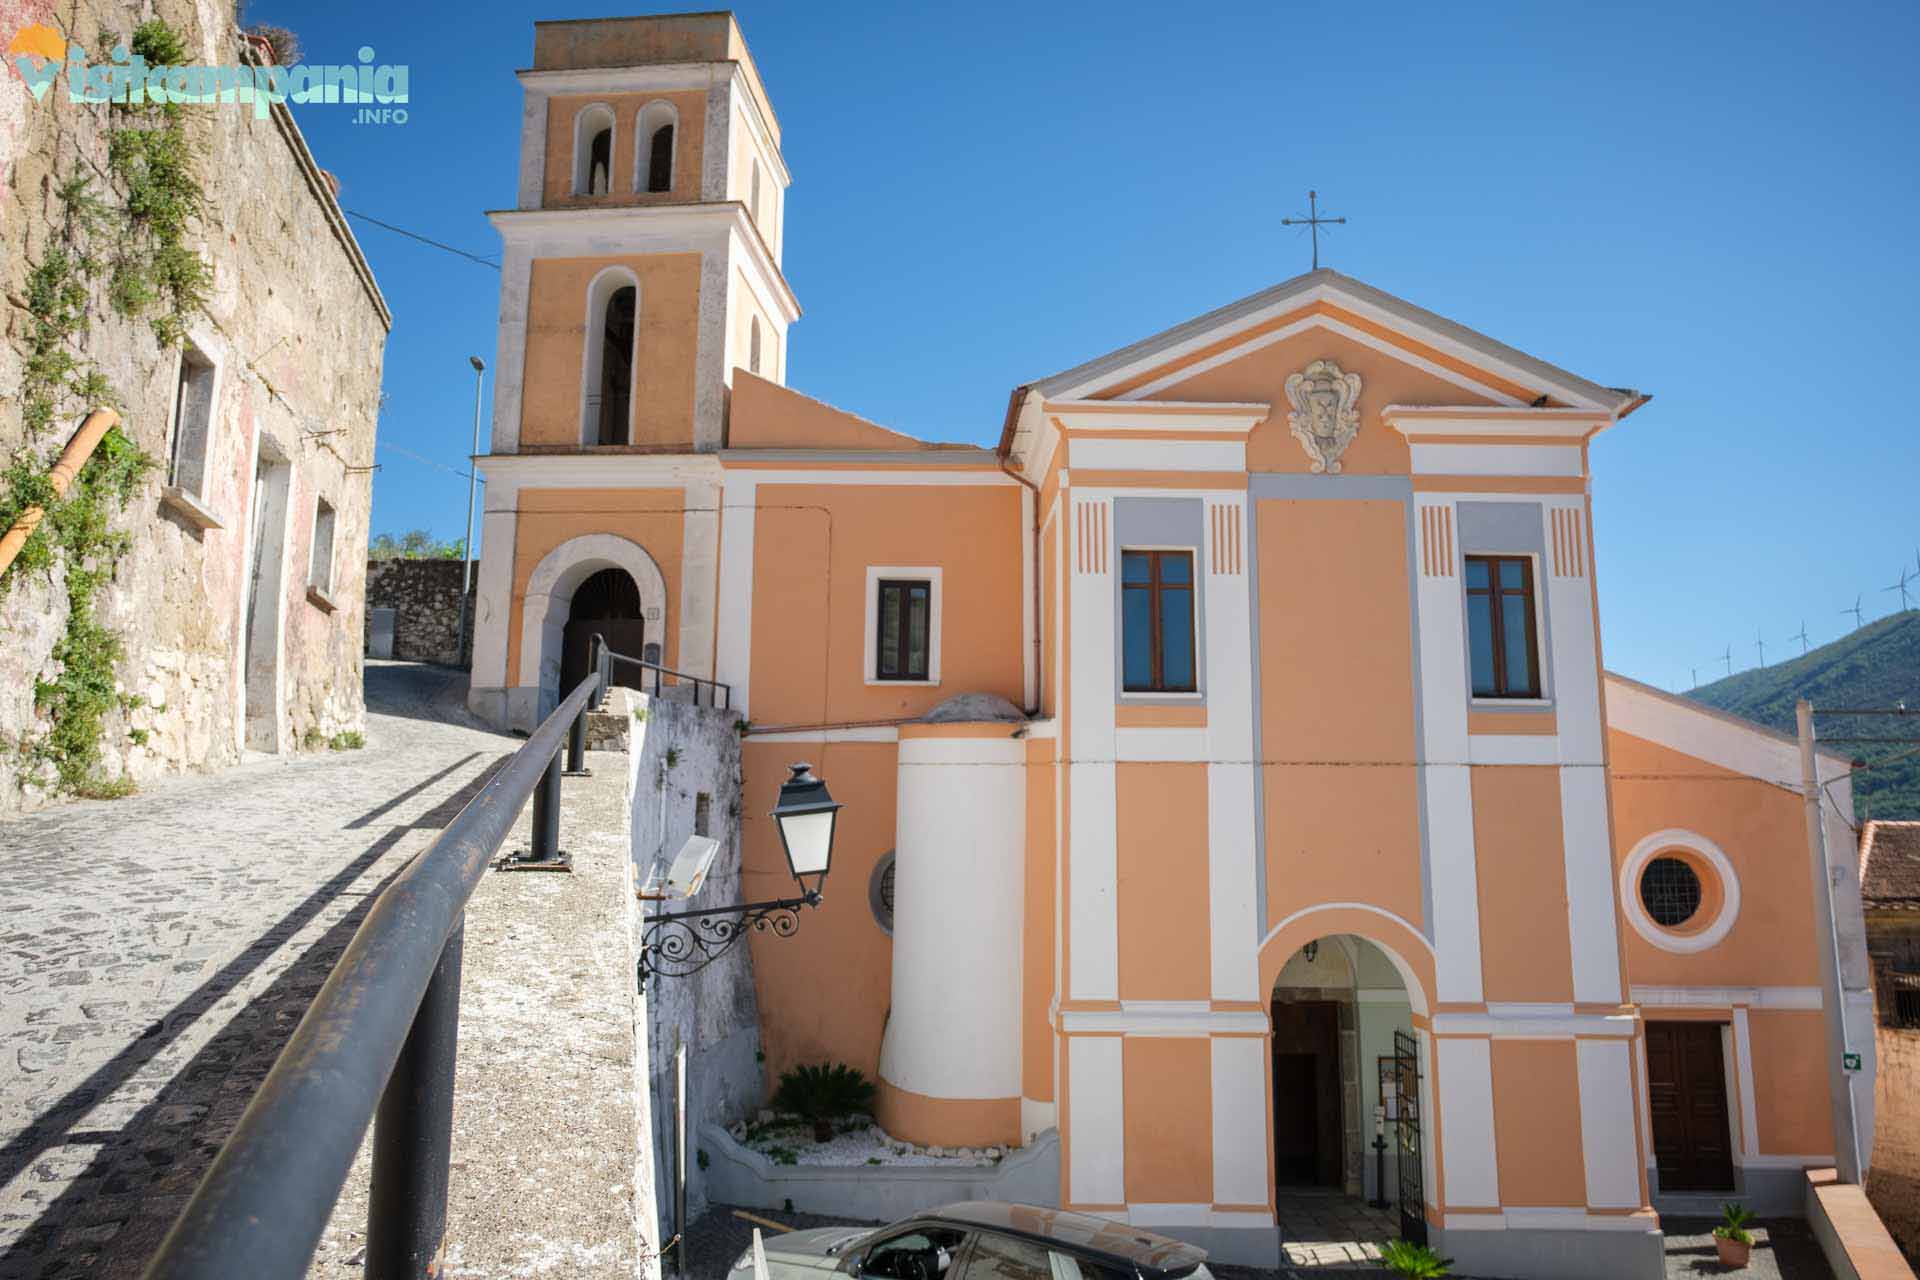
[1733,1253]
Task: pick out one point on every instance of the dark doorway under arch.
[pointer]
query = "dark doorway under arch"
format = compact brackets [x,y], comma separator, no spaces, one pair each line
[607,603]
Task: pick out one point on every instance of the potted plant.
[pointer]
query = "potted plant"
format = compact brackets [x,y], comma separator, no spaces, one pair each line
[1732,1238]
[1414,1261]
[823,1093]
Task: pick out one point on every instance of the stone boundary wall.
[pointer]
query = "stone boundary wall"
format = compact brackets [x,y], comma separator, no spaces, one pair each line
[1893,1180]
[681,753]
[425,598]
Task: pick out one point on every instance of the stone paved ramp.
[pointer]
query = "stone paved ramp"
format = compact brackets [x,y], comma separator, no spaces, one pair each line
[156,952]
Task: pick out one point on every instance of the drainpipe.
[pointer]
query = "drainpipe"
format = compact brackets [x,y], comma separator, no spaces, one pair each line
[1039,676]
[72,458]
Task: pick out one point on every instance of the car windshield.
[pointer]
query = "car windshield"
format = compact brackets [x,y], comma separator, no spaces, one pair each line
[923,1253]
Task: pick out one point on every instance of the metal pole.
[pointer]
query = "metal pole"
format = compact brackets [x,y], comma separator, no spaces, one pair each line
[473,480]
[546,814]
[1846,1136]
[413,1135]
[577,746]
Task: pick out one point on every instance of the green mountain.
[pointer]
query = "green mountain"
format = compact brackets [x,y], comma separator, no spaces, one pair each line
[1876,666]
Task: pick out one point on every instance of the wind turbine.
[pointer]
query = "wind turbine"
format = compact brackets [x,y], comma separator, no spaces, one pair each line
[1801,637]
[1696,677]
[1727,658]
[1858,621]
[1906,576]
[1760,643]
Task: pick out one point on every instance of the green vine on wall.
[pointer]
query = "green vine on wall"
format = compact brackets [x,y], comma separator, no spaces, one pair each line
[136,247]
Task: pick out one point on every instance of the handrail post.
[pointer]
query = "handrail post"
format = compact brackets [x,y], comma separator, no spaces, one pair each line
[577,731]
[413,1135]
[546,814]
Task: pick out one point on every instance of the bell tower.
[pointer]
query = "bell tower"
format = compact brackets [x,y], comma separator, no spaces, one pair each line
[640,272]
[641,265]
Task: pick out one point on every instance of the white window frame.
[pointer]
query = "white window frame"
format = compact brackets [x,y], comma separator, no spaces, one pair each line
[1540,636]
[870,662]
[319,584]
[583,143]
[646,124]
[193,501]
[600,290]
[1199,692]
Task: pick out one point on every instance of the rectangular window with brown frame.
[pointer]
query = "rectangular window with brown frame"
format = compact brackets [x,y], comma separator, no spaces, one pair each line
[1503,646]
[903,627]
[1156,622]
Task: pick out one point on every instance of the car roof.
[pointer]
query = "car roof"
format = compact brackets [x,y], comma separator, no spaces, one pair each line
[1100,1239]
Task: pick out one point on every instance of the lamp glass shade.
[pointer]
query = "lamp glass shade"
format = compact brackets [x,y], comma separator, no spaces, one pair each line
[805,816]
[809,840]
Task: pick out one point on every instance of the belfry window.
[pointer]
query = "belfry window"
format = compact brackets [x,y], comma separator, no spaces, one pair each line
[754,198]
[615,400]
[660,159]
[1503,648]
[1156,619]
[593,151]
[753,347]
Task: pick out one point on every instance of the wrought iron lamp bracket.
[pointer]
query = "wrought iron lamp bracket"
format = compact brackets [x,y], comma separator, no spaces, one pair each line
[680,944]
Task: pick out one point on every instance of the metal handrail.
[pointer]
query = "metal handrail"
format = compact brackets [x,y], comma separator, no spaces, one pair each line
[380,1035]
[715,689]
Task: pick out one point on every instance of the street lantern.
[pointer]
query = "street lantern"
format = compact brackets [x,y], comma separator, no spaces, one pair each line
[805,816]
[679,944]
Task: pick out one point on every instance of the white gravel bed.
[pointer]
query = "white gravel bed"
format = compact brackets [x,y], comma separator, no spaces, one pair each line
[854,1144]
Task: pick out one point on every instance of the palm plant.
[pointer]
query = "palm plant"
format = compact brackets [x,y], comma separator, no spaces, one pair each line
[1414,1261]
[823,1092]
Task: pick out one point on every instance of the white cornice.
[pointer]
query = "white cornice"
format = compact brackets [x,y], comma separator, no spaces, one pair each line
[507,472]
[1198,417]
[1413,421]
[612,229]
[654,78]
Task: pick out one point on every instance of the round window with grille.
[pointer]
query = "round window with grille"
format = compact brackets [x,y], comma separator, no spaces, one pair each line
[880,892]
[1670,890]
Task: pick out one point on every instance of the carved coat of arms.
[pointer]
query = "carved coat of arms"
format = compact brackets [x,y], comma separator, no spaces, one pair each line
[1325,415]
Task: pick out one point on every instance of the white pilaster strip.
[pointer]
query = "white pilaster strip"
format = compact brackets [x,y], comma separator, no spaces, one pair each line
[699,558]
[1093,923]
[493,593]
[533,149]
[1097,1120]
[1749,1108]
[1029,552]
[1606,1123]
[1588,851]
[1239,1148]
[1232,791]
[1466,1119]
[1456,884]
[735,612]
[1575,671]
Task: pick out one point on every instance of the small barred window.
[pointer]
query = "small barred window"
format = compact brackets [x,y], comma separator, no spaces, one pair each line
[880,893]
[1670,890]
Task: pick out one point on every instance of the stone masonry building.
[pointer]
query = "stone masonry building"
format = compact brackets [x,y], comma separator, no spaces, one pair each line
[237,604]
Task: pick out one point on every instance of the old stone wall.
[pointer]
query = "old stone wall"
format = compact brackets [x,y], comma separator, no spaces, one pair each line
[295,329]
[425,598]
[1893,1182]
[687,763]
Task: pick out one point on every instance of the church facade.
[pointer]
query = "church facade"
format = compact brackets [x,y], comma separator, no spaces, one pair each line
[1231,772]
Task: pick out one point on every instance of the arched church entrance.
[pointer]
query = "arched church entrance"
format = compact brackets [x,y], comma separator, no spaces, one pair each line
[608,603]
[1337,1003]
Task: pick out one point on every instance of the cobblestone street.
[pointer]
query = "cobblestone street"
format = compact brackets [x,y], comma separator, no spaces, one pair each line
[155,952]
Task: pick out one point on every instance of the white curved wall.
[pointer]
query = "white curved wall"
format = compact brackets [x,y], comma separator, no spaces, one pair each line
[959,872]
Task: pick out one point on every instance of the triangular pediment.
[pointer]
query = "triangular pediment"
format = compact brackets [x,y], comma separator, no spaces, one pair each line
[1491,371]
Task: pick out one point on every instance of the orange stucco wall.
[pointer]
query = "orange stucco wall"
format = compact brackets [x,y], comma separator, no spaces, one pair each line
[812,547]
[689,147]
[1161,861]
[1790,1102]
[1167,1101]
[1762,830]
[666,343]
[1335,832]
[653,518]
[1536,1120]
[824,992]
[1525,952]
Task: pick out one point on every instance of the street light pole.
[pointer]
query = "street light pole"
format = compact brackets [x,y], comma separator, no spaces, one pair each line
[473,480]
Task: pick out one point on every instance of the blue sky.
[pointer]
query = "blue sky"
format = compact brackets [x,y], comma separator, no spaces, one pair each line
[1716,204]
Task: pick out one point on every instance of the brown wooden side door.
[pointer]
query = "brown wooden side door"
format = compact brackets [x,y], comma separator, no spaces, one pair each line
[1687,1095]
